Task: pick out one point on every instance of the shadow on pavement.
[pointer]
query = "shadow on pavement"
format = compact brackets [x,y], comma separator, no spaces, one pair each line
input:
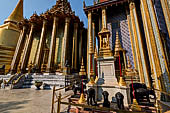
[6,107]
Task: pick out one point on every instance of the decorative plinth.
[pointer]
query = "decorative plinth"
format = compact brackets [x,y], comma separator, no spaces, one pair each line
[107,81]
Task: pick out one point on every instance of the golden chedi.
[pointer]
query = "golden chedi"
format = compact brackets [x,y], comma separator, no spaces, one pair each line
[9,34]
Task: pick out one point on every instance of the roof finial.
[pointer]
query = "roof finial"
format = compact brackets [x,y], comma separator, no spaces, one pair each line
[84,4]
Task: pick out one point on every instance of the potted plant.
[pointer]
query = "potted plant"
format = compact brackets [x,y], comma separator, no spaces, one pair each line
[38,84]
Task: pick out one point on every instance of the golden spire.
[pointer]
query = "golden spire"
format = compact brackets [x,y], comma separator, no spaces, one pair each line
[118,46]
[129,64]
[82,70]
[17,14]
[95,53]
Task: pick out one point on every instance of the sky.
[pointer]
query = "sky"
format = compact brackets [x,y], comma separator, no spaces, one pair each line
[30,6]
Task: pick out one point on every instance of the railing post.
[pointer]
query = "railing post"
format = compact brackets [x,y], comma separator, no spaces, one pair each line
[59,102]
[52,109]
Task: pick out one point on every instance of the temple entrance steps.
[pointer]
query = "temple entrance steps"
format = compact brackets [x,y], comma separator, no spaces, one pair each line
[49,80]
[5,77]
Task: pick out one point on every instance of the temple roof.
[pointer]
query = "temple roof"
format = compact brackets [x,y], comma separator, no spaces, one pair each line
[17,14]
[62,8]
[104,3]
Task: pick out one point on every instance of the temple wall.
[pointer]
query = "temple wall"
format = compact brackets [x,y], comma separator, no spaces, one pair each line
[119,21]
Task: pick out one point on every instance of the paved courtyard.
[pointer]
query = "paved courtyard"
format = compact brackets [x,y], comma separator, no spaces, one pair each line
[25,101]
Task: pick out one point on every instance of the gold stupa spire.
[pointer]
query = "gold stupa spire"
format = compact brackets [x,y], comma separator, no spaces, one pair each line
[129,66]
[82,70]
[17,13]
[118,46]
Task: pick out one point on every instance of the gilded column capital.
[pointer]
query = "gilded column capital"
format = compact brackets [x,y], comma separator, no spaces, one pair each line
[89,14]
[67,20]
[132,5]
[44,22]
[56,18]
[75,25]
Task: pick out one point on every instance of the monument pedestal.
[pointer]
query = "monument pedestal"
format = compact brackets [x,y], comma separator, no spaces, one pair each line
[107,81]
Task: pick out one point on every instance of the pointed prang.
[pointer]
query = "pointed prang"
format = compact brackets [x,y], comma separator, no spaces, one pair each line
[82,63]
[118,46]
[17,13]
[82,69]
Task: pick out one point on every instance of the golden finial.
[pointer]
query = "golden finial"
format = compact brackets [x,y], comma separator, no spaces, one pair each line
[95,53]
[82,99]
[17,14]
[82,69]
[129,64]
[84,4]
[118,46]
[94,2]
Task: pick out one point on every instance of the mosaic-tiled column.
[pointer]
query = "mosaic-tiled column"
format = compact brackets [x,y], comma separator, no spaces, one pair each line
[39,56]
[141,58]
[64,46]
[89,38]
[18,50]
[153,41]
[27,49]
[51,57]
[74,49]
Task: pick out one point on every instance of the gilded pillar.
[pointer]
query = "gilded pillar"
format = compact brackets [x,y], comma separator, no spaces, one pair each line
[91,54]
[166,12]
[141,58]
[89,36]
[151,43]
[80,46]
[94,44]
[64,46]
[74,50]
[50,66]
[132,40]
[18,50]
[27,48]
[39,56]
[124,58]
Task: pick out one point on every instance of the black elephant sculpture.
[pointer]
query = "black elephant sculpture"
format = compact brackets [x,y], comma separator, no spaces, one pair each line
[119,97]
[106,102]
[91,97]
[141,92]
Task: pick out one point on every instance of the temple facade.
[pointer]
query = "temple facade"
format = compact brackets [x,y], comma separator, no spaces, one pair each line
[49,42]
[136,34]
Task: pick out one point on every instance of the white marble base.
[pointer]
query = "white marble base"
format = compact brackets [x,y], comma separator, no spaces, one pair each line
[108,82]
